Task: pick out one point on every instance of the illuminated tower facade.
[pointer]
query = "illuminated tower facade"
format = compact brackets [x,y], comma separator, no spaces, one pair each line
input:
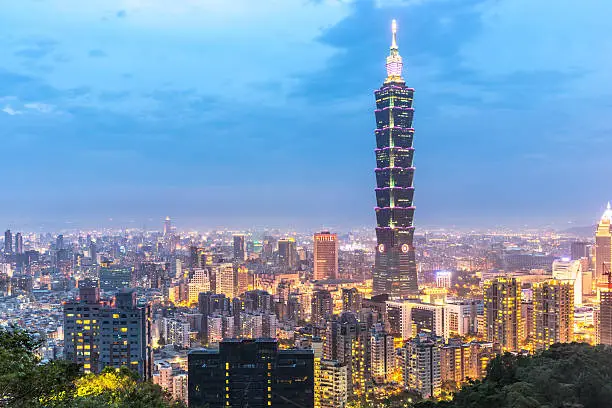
[395,271]
[603,244]
[502,312]
[325,256]
[553,313]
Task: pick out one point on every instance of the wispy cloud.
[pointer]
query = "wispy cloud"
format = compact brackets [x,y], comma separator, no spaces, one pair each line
[10,111]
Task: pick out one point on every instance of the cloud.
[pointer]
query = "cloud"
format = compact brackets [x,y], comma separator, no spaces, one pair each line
[40,107]
[10,111]
[205,45]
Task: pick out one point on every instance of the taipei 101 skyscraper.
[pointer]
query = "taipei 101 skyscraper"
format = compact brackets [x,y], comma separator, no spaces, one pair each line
[395,271]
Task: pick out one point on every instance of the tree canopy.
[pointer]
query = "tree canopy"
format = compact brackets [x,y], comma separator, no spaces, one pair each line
[566,375]
[27,382]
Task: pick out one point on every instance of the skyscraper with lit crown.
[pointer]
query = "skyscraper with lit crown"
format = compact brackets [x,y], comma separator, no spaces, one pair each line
[603,244]
[395,271]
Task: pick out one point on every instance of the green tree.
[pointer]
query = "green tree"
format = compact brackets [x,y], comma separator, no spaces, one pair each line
[566,375]
[24,381]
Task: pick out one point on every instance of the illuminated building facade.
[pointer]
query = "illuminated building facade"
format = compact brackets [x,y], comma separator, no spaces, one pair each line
[460,362]
[8,242]
[570,271]
[553,313]
[98,335]
[395,271]
[240,251]
[287,253]
[604,319]
[422,365]
[330,384]
[227,280]
[502,312]
[382,355]
[603,244]
[251,373]
[81,329]
[322,307]
[325,256]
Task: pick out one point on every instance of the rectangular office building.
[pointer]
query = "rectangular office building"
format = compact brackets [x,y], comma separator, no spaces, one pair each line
[251,373]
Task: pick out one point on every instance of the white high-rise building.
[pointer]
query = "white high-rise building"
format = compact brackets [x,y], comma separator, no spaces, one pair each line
[226,280]
[382,352]
[422,365]
[567,270]
[215,329]
[176,332]
[200,282]
[444,279]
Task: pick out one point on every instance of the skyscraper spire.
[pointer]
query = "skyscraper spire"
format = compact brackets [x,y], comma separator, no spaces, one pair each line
[393,37]
[607,215]
[394,60]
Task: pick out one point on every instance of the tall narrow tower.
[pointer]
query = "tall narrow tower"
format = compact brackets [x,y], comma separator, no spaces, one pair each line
[603,243]
[395,271]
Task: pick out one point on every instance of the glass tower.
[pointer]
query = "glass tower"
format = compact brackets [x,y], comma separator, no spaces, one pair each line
[395,271]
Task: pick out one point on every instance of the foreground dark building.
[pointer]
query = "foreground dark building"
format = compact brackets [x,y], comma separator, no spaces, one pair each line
[395,270]
[251,373]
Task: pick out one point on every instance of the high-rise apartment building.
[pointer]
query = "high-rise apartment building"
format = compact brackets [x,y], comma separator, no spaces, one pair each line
[422,365]
[251,373]
[199,283]
[82,328]
[382,356]
[604,321]
[167,226]
[325,256]
[19,244]
[59,243]
[227,282]
[351,300]
[553,313]
[347,341]
[570,271]
[395,271]
[502,312]
[8,242]
[603,244]
[244,280]
[287,253]
[117,334]
[330,389]
[579,250]
[461,316]
[460,362]
[322,307]
[240,250]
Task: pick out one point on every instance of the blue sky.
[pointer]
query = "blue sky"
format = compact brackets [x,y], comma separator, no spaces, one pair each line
[246,112]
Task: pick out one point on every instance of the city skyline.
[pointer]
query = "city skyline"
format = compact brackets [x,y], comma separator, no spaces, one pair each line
[91,134]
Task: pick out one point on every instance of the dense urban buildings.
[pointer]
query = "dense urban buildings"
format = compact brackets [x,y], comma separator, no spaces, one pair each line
[395,271]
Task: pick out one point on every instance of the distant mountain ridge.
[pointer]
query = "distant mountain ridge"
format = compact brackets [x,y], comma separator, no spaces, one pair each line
[587,231]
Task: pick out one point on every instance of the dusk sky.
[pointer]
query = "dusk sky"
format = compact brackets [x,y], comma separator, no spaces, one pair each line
[260,112]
